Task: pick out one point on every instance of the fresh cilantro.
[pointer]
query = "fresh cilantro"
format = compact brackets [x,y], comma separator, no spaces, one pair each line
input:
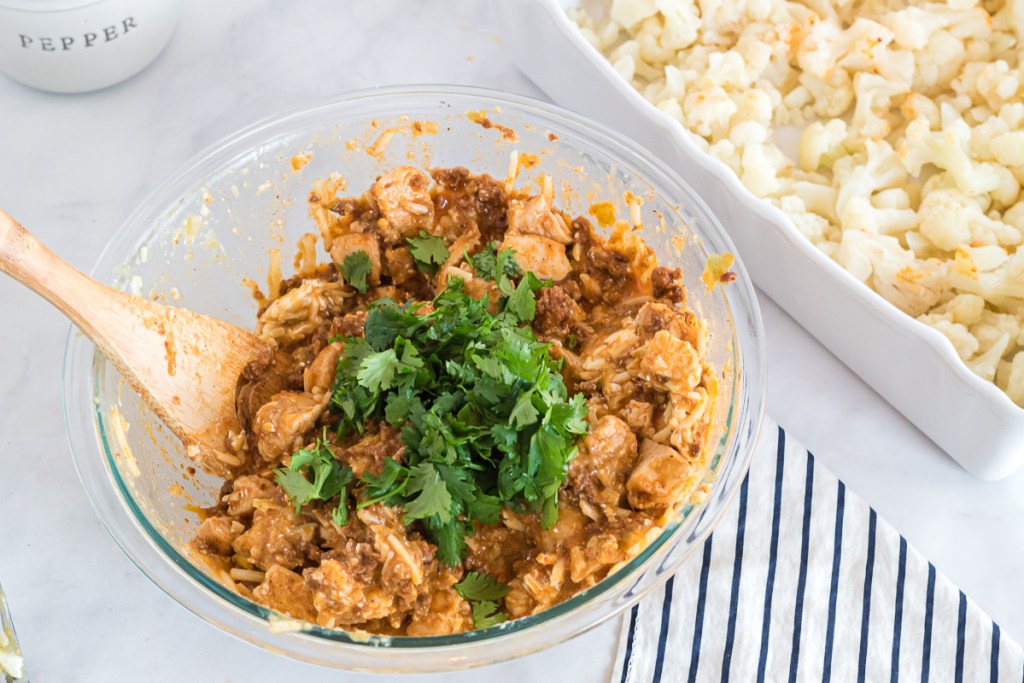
[329,479]
[356,269]
[484,415]
[522,301]
[428,251]
[431,494]
[478,587]
[490,264]
[486,614]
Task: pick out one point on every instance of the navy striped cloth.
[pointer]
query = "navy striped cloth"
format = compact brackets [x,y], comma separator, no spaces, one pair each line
[802,582]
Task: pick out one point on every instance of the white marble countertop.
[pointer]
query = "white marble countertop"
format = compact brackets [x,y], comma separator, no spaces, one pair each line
[73,167]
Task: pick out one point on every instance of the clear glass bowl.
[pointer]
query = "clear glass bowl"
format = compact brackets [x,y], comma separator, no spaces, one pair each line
[193,241]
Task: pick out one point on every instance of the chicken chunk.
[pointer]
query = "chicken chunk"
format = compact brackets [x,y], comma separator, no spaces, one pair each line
[403,195]
[542,256]
[355,242]
[660,477]
[670,363]
[277,537]
[300,312]
[280,424]
[341,598]
[319,376]
[440,612]
[534,216]
[246,489]
[606,457]
[286,592]
[400,265]
[216,534]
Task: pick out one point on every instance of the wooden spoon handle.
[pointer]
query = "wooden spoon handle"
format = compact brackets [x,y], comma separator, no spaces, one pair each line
[86,302]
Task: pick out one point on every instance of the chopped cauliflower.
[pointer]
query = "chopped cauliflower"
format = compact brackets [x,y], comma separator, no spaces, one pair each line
[909,165]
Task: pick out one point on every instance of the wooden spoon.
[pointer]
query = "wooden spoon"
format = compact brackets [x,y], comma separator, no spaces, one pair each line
[185,365]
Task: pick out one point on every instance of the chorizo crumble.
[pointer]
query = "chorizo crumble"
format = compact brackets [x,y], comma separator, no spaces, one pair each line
[479,408]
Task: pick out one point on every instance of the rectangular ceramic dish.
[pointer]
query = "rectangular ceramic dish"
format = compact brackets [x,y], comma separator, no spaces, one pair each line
[911,365]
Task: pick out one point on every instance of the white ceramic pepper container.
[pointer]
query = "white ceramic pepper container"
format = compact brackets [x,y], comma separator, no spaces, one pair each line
[71,46]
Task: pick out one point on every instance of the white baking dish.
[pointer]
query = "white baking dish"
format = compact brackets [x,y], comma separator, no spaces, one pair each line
[911,365]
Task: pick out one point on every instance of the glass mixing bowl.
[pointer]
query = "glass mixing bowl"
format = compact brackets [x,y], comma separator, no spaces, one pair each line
[218,221]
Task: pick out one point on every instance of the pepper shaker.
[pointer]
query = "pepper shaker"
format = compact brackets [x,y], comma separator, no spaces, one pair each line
[72,46]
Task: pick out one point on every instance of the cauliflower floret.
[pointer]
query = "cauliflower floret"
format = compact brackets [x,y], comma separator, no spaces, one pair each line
[938,63]
[949,220]
[947,149]
[821,144]
[708,112]
[628,13]
[873,94]
[861,175]
[1014,383]
[958,335]
[912,285]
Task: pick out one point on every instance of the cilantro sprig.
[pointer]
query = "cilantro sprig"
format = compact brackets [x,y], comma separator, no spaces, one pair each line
[329,479]
[428,251]
[356,268]
[484,413]
[483,592]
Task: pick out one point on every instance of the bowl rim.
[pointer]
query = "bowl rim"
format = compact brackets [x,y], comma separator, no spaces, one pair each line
[167,191]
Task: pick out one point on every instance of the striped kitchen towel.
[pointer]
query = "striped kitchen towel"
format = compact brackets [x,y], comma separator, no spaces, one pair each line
[802,582]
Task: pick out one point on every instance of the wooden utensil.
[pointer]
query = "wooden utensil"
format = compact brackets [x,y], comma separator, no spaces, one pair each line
[185,365]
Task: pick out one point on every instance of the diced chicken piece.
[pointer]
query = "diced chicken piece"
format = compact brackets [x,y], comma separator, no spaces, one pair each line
[654,317]
[216,534]
[670,363]
[403,195]
[607,455]
[598,554]
[475,287]
[354,242]
[557,313]
[639,415]
[280,425]
[400,264]
[494,550]
[286,592]
[246,489]
[341,598]
[403,570]
[544,257]
[319,376]
[440,612]
[534,216]
[660,477]
[568,531]
[277,536]
[300,312]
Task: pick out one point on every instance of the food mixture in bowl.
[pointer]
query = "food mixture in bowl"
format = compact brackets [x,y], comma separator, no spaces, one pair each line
[480,407]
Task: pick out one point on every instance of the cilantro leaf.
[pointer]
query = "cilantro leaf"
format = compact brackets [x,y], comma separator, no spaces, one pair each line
[355,269]
[329,479]
[377,371]
[522,302]
[479,586]
[432,497]
[428,251]
[486,615]
[491,264]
